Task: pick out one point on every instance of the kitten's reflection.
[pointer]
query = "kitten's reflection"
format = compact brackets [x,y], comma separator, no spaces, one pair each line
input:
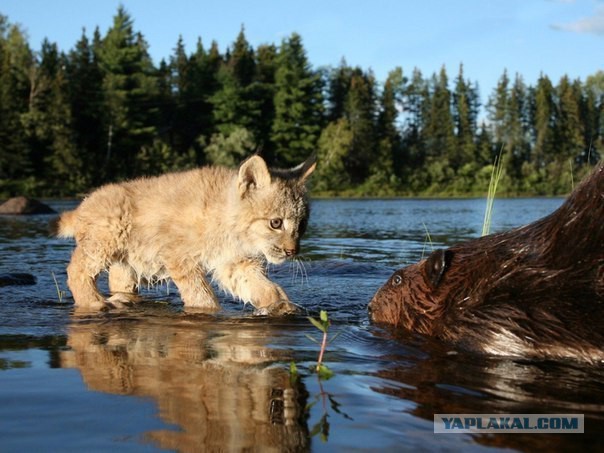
[216,380]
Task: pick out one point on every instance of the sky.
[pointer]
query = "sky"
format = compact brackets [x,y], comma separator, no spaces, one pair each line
[526,37]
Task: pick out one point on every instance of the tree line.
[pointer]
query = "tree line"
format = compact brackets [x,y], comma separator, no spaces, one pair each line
[104,112]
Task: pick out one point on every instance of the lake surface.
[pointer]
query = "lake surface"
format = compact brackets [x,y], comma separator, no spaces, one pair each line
[153,377]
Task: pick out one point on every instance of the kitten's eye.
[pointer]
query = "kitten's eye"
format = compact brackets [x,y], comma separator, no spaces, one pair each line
[276,223]
[397,280]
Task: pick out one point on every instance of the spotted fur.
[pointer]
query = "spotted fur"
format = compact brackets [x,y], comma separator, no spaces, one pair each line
[210,222]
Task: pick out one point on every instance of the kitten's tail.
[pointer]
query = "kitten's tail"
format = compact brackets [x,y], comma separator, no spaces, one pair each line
[64,225]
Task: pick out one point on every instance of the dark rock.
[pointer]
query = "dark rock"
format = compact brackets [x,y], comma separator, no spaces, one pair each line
[16,278]
[25,206]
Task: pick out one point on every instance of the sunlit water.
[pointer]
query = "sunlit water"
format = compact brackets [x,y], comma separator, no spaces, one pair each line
[153,377]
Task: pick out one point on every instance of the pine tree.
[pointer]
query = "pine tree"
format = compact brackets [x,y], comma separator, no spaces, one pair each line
[485,153]
[234,103]
[130,87]
[391,157]
[438,131]
[16,173]
[333,147]
[264,91]
[588,117]
[594,87]
[192,83]
[338,86]
[568,125]
[64,165]
[416,98]
[465,114]
[35,120]
[203,85]
[298,104]
[85,88]
[177,99]
[497,108]
[517,143]
[242,60]
[543,123]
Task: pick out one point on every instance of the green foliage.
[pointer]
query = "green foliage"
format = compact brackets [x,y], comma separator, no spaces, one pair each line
[297,103]
[103,112]
[159,158]
[130,87]
[360,112]
[322,324]
[229,150]
[323,373]
[333,148]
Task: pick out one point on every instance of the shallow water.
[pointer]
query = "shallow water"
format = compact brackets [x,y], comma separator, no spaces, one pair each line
[153,377]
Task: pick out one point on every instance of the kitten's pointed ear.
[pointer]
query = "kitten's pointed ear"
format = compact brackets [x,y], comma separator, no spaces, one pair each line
[305,169]
[436,265]
[253,174]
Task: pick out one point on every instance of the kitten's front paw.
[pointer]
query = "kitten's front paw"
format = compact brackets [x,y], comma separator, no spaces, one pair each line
[121,300]
[280,308]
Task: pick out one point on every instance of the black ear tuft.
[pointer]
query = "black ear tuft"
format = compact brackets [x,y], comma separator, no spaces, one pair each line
[436,265]
[305,169]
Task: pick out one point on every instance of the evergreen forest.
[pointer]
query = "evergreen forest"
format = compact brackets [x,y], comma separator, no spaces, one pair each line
[104,112]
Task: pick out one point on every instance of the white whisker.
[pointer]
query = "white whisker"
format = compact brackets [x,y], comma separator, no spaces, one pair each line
[299,269]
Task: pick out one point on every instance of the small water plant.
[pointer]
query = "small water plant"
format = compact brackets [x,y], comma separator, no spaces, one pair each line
[493,183]
[60,292]
[323,373]
[428,240]
[322,324]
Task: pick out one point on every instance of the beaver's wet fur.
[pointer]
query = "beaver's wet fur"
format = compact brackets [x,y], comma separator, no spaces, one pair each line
[535,291]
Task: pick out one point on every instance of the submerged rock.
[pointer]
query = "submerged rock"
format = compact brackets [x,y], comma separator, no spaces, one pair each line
[25,206]
[17,278]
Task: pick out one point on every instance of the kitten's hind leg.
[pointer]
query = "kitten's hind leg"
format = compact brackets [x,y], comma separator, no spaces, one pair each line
[82,273]
[122,284]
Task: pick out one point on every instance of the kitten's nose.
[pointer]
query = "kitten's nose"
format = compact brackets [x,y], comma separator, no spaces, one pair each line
[289,252]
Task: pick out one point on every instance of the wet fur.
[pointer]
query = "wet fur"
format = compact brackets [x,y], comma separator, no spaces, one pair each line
[211,221]
[534,291]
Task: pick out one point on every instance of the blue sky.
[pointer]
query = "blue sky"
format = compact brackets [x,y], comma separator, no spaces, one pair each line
[529,37]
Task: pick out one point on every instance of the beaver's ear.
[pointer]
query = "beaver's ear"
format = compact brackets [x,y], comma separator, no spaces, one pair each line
[436,265]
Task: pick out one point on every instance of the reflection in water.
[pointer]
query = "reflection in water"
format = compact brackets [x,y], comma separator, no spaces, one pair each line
[446,382]
[222,384]
[215,381]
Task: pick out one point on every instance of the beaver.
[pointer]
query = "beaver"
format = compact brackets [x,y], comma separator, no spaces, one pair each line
[536,291]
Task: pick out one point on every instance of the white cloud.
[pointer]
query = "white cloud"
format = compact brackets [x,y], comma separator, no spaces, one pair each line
[593,24]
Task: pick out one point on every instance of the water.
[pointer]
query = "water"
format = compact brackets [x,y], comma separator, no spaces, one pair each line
[153,377]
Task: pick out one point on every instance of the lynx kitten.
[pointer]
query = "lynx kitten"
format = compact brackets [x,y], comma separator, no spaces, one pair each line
[185,226]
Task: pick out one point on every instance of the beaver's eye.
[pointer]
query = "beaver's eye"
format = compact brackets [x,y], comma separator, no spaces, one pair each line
[397,280]
[276,223]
